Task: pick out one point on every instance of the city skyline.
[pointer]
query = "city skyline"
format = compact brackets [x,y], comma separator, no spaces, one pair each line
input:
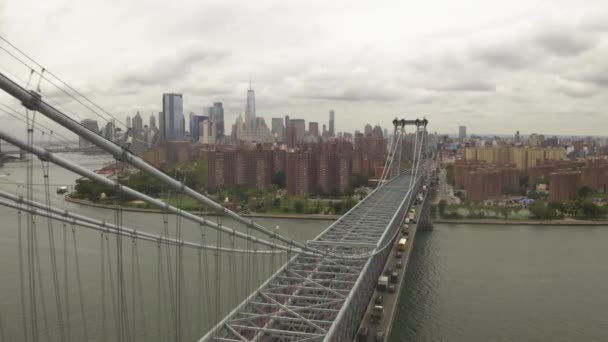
[458,73]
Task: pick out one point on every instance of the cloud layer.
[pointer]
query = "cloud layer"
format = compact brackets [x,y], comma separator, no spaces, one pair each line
[495,67]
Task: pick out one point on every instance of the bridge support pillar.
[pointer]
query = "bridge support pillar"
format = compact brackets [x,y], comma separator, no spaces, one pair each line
[424,220]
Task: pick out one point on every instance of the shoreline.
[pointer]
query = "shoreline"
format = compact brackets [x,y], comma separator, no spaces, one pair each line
[158,211]
[524,222]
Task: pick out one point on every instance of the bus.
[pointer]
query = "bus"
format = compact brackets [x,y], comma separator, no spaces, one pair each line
[402,243]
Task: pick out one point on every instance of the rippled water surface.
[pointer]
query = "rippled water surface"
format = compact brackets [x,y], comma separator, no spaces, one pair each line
[506,283]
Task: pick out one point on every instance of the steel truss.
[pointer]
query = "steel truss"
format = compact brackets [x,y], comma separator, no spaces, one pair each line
[319,298]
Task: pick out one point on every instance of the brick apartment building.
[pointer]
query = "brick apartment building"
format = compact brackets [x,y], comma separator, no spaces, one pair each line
[312,168]
[483,180]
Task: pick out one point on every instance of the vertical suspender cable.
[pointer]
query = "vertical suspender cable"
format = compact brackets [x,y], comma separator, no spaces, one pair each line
[21,277]
[133,310]
[115,310]
[159,297]
[103,288]
[141,294]
[66,283]
[79,283]
[53,254]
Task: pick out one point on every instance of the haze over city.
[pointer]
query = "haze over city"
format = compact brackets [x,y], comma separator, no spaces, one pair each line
[497,67]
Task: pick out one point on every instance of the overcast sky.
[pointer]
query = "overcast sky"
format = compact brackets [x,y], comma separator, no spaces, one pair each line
[494,66]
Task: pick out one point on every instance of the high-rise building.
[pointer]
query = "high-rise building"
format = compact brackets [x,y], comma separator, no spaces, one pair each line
[108,131]
[152,122]
[195,126]
[462,132]
[290,137]
[173,116]
[313,129]
[300,126]
[138,125]
[277,128]
[250,110]
[129,123]
[92,126]
[367,130]
[208,132]
[216,113]
[517,137]
[332,124]
[161,125]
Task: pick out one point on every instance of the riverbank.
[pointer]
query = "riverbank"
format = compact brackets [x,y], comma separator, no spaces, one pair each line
[523,222]
[205,213]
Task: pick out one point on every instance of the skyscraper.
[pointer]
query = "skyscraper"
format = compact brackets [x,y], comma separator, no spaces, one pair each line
[217,115]
[195,126]
[152,122]
[108,132]
[313,129]
[173,116]
[300,126]
[332,127]
[208,132]
[278,128]
[92,126]
[161,125]
[138,125]
[250,110]
[462,132]
[129,124]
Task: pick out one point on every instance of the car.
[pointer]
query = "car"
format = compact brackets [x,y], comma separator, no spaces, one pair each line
[391,289]
[394,277]
[399,264]
[380,336]
[362,334]
[388,271]
[379,300]
[399,255]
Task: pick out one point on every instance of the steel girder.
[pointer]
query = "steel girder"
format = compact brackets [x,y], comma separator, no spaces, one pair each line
[315,298]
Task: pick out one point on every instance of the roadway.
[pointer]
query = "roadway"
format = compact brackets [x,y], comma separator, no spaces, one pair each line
[390,300]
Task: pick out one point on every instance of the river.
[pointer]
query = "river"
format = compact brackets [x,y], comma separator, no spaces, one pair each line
[505,283]
[464,282]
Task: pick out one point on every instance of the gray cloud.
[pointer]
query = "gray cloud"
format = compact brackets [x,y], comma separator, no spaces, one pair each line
[173,67]
[564,41]
[307,58]
[575,89]
[466,86]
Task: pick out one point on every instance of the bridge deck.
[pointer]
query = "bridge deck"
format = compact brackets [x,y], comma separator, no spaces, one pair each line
[304,298]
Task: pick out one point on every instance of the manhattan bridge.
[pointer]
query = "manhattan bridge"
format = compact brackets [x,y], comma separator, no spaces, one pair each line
[186,276]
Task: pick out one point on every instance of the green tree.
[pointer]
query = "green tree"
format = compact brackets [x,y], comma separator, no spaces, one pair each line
[590,210]
[584,192]
[539,210]
[441,206]
[298,206]
[279,179]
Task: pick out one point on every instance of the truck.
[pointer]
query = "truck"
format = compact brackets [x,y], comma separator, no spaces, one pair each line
[382,283]
[410,216]
[402,244]
[377,314]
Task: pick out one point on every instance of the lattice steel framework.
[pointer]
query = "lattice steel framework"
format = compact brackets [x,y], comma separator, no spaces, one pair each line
[318,298]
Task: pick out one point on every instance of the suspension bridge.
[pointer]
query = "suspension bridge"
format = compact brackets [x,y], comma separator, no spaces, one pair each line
[220,278]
